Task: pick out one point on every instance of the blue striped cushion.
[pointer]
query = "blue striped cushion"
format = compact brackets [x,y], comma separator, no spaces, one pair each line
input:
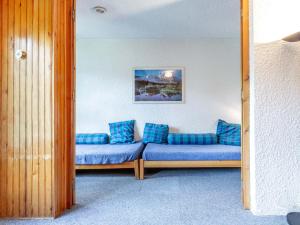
[122,132]
[229,133]
[91,139]
[155,133]
[192,139]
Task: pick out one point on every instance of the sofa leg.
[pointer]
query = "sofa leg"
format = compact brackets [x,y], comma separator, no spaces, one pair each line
[142,169]
[136,169]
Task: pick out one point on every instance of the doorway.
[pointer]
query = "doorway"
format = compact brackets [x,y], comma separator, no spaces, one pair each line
[244,87]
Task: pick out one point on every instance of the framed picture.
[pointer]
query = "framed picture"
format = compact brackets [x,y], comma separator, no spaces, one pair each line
[158,85]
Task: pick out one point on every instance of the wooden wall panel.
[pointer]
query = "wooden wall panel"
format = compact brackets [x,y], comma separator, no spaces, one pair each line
[245,105]
[36,108]
[1,69]
[64,104]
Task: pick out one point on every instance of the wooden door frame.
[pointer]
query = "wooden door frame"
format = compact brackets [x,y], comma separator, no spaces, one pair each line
[245,101]
[64,105]
[245,83]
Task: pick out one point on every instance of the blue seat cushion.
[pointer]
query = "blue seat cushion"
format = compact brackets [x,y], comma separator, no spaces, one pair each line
[92,139]
[155,133]
[122,132]
[108,154]
[229,133]
[157,152]
[192,139]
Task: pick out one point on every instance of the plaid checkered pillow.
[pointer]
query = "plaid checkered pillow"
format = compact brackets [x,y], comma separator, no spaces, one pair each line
[229,133]
[91,139]
[155,133]
[122,132]
[192,139]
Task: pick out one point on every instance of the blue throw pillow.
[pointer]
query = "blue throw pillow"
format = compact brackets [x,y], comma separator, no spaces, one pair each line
[192,139]
[155,133]
[91,139]
[229,133]
[122,132]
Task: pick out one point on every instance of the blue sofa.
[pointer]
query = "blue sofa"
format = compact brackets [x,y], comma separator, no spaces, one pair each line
[109,156]
[189,156]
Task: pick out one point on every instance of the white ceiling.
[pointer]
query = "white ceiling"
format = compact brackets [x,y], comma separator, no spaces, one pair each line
[159,19]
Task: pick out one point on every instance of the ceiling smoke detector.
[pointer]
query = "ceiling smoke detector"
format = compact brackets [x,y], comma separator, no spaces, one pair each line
[99,9]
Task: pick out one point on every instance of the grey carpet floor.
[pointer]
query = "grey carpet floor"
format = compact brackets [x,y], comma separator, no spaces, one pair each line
[166,197]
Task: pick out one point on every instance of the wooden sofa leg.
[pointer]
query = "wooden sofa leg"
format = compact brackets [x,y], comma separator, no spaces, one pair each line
[136,169]
[142,169]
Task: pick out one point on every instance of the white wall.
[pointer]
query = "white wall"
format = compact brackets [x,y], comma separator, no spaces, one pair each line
[104,82]
[275,110]
[275,19]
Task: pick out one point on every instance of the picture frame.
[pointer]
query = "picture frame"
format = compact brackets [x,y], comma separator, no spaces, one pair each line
[164,85]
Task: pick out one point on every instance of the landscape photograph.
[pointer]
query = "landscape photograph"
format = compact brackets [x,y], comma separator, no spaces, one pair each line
[158,85]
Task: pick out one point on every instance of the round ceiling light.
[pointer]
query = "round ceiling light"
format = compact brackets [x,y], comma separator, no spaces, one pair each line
[99,9]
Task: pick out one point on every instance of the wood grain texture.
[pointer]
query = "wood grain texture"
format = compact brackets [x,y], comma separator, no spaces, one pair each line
[245,104]
[36,108]
[126,165]
[142,169]
[28,102]
[63,126]
[136,167]
[192,164]
[22,110]
[2,152]
[3,105]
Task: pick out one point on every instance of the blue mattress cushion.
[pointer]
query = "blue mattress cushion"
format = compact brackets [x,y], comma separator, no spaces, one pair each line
[108,154]
[155,133]
[122,132]
[192,139]
[229,133]
[92,139]
[157,152]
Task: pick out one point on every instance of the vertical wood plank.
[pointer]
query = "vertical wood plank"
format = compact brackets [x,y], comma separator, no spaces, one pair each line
[10,113]
[48,106]
[68,93]
[4,91]
[22,106]
[16,112]
[245,105]
[35,115]
[63,105]
[56,154]
[54,113]
[29,148]
[1,72]
[73,97]
[68,103]
[57,116]
[41,107]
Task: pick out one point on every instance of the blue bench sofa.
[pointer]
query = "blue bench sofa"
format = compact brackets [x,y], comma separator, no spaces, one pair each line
[181,150]
[189,156]
[109,156]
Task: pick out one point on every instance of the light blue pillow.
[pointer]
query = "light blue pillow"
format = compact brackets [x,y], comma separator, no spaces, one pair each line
[92,139]
[122,132]
[155,133]
[192,139]
[229,133]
